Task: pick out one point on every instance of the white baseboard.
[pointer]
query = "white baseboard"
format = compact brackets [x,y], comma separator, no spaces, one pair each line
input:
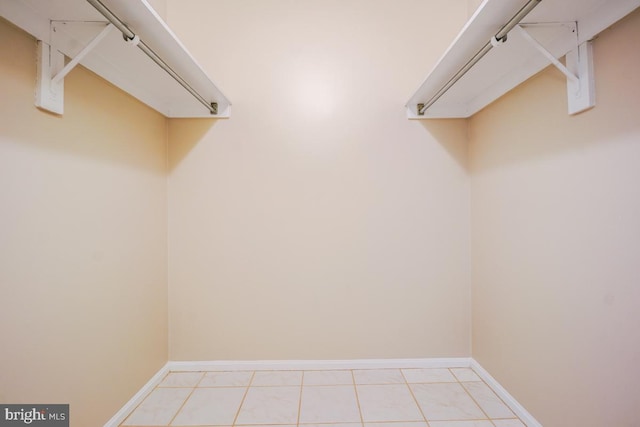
[511,402]
[124,412]
[289,365]
[309,365]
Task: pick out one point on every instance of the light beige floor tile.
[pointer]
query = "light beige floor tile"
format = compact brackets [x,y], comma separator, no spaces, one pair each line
[429,376]
[331,425]
[488,400]
[476,423]
[465,374]
[509,423]
[446,402]
[328,399]
[226,379]
[327,378]
[270,405]
[378,376]
[329,404]
[388,403]
[181,379]
[398,424]
[210,406]
[159,407]
[270,425]
[273,378]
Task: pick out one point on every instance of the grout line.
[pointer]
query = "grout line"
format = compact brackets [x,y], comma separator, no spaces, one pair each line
[355,388]
[476,402]
[235,419]
[300,400]
[188,397]
[516,416]
[354,383]
[454,375]
[503,402]
[499,398]
[414,398]
[204,374]
[182,406]
[471,396]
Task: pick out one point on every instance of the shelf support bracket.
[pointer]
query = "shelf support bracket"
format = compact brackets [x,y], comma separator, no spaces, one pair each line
[49,95]
[52,71]
[579,72]
[535,43]
[88,48]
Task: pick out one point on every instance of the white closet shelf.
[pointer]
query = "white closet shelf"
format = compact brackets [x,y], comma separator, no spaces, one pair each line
[558,28]
[69,26]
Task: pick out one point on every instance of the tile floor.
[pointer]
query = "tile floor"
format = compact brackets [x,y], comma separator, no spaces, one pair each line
[454,397]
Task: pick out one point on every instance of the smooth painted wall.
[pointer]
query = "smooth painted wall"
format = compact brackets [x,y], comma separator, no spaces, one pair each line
[318,222]
[556,241]
[83,246]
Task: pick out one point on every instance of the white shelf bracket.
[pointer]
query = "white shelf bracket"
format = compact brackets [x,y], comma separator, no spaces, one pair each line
[49,95]
[88,48]
[579,72]
[582,93]
[52,71]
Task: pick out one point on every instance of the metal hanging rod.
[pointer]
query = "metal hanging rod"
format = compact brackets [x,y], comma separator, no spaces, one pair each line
[131,37]
[500,37]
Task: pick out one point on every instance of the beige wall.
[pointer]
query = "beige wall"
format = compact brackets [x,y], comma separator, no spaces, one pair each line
[318,222]
[82,241]
[556,242]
